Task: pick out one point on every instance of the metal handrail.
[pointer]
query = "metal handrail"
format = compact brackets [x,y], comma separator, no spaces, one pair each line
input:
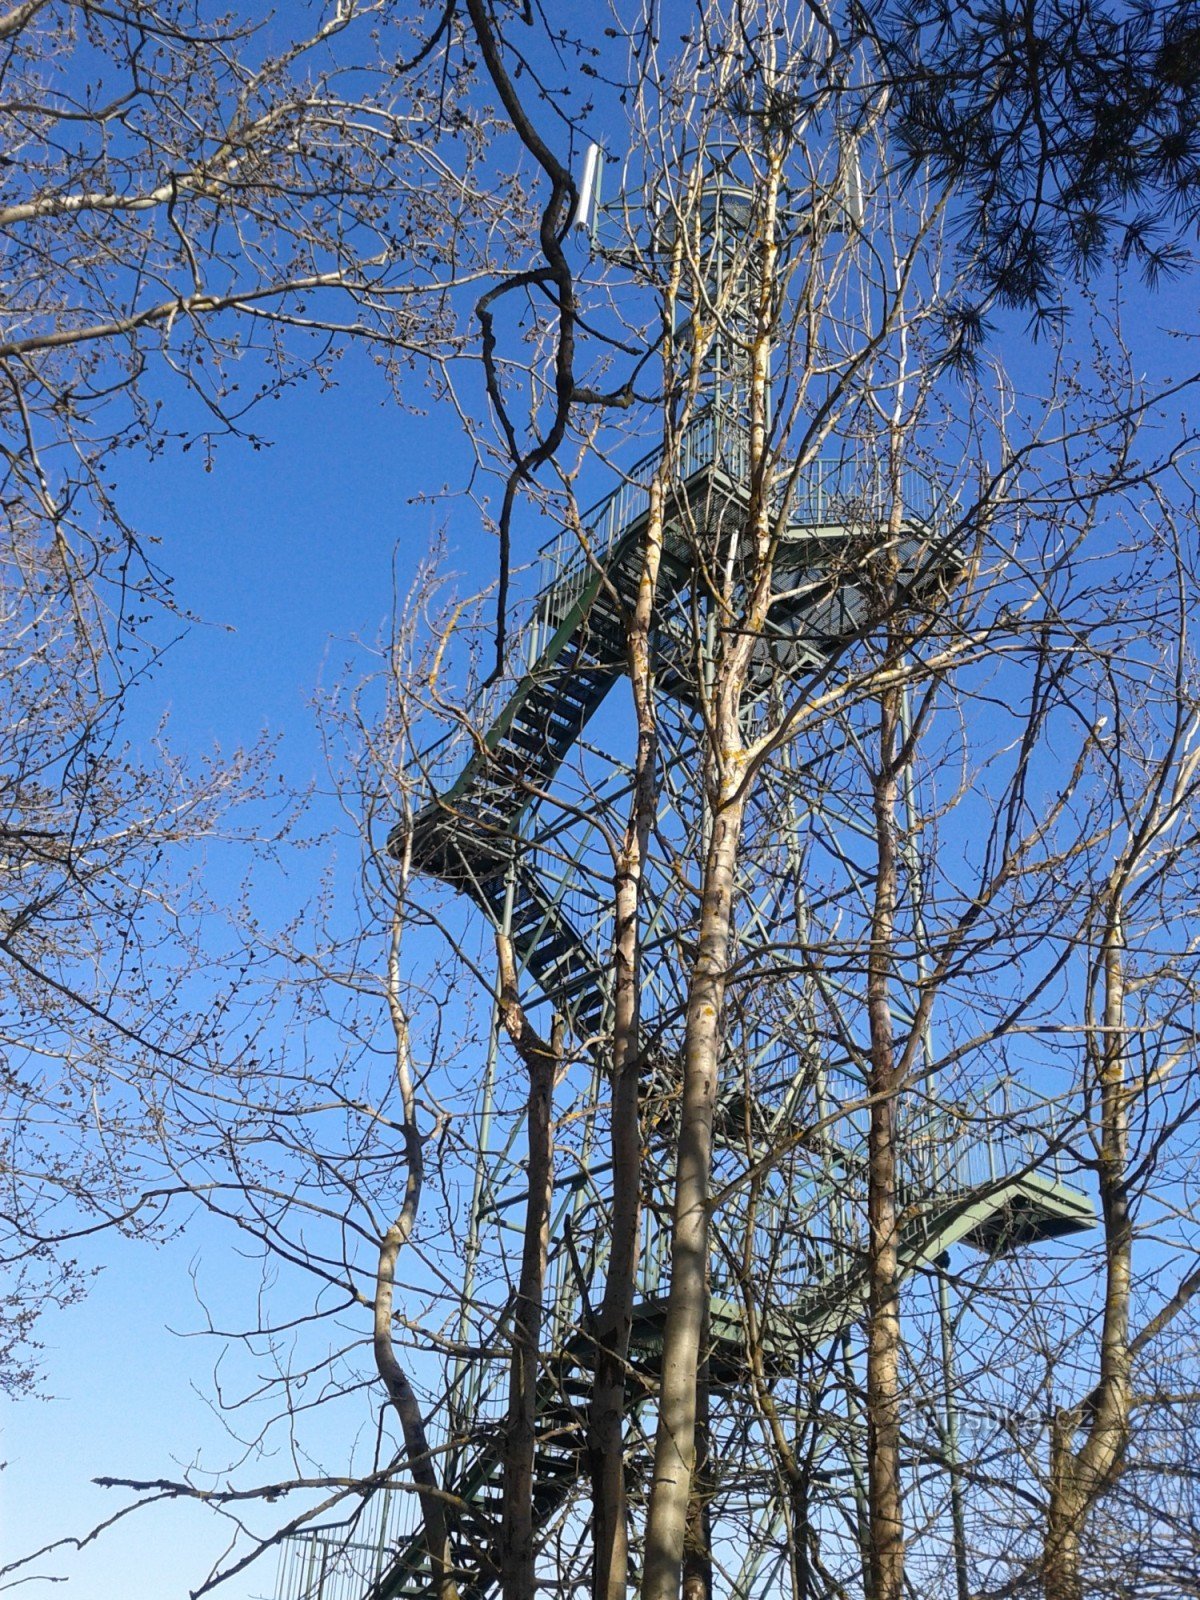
[829,493]
[964,1148]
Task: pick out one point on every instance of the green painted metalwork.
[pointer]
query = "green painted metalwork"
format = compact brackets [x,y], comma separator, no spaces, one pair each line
[963,1191]
[976,1175]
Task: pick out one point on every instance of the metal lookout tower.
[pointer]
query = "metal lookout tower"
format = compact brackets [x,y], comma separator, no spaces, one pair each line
[517,826]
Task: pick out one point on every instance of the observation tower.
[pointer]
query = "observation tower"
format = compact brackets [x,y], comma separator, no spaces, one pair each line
[517,824]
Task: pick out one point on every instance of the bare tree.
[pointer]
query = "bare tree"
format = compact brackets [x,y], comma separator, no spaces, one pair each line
[199,207]
[1137,1036]
[101,908]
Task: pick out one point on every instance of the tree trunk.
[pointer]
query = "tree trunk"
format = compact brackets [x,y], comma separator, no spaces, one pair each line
[741,581]
[412,1426]
[697,1542]
[1078,1478]
[395,1379]
[606,1442]
[1066,1513]
[883,1254]
[675,1443]
[517,1533]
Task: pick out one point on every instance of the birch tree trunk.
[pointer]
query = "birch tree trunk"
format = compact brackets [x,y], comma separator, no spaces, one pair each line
[615,1317]
[886,1521]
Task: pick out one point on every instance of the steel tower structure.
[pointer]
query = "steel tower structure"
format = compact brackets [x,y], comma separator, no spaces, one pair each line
[517,824]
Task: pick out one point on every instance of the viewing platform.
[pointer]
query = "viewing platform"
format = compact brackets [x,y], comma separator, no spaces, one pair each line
[574,643]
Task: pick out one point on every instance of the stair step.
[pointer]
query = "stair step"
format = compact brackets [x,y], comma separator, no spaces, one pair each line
[559,734]
[482,1504]
[563,967]
[529,740]
[555,944]
[570,1385]
[575,695]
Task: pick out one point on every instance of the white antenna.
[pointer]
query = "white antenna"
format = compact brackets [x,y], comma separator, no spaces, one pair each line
[851,176]
[587,209]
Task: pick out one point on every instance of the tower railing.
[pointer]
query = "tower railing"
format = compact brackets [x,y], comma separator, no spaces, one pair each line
[826,494]
[967,1146]
[712,440]
[963,1151]
[324,1564]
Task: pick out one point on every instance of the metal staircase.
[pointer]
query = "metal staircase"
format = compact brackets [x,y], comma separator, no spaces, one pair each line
[977,1186]
[576,644]
[468,835]
[979,1181]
